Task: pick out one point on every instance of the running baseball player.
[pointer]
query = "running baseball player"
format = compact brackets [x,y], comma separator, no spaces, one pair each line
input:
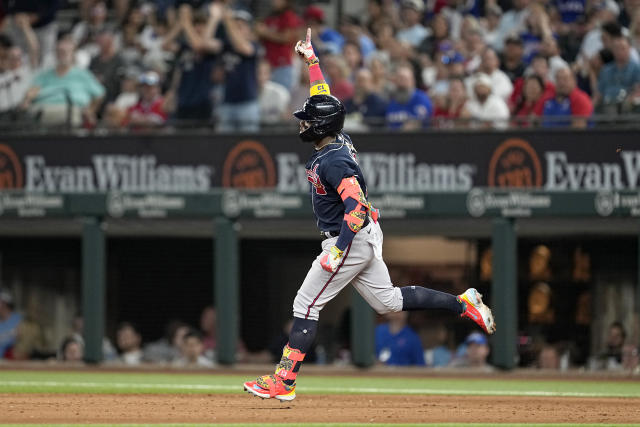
[352,246]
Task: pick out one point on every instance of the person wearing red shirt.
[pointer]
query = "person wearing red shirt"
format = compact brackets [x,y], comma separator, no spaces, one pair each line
[149,110]
[539,67]
[278,32]
[454,107]
[532,101]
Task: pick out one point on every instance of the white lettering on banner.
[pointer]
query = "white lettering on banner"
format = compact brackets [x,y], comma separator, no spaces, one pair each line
[30,205]
[116,172]
[513,204]
[565,175]
[264,205]
[146,206]
[607,202]
[386,172]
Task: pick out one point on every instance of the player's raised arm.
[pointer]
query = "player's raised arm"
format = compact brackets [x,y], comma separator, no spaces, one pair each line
[318,85]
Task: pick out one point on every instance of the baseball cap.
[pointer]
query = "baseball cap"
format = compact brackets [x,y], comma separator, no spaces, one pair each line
[476,338]
[243,15]
[413,4]
[150,78]
[513,39]
[314,13]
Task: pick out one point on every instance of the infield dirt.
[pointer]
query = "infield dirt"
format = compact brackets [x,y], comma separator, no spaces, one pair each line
[307,408]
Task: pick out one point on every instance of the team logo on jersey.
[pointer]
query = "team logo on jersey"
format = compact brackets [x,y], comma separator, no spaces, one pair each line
[515,164]
[10,169]
[314,179]
[249,165]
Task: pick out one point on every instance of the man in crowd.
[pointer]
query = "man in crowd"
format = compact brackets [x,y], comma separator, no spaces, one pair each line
[412,31]
[486,108]
[409,107]
[65,93]
[366,103]
[619,78]
[328,40]
[474,353]
[149,111]
[512,64]
[128,340]
[501,86]
[107,66]
[192,352]
[569,101]
[14,79]
[274,98]
[9,323]
[398,344]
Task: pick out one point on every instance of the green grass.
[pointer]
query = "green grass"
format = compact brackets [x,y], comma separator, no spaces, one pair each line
[135,382]
[320,425]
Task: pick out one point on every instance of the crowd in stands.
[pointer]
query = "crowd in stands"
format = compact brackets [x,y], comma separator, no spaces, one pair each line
[400,64]
[398,342]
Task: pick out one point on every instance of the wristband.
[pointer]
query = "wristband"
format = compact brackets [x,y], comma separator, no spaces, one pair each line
[315,73]
[320,89]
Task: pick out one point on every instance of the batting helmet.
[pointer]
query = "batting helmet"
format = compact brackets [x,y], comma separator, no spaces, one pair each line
[325,113]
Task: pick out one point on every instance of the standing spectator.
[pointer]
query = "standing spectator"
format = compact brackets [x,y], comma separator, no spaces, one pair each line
[412,31]
[531,104]
[65,91]
[512,22]
[273,97]
[85,33]
[485,107]
[325,40]
[15,79]
[568,102]
[192,352]
[501,86]
[107,66]
[128,340]
[619,78]
[474,353]
[409,108]
[512,64]
[9,323]
[337,72]
[366,103]
[492,24]
[278,33]
[396,343]
[149,111]
[240,110]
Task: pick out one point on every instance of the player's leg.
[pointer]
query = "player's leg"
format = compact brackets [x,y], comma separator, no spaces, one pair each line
[374,284]
[318,288]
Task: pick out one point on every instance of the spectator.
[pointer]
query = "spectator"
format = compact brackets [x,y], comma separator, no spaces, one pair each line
[65,94]
[352,30]
[77,329]
[85,33]
[568,102]
[537,29]
[500,84]
[512,64]
[412,31]
[209,333]
[512,22]
[9,323]
[365,102]
[240,110]
[539,67]
[192,352]
[169,347]
[191,83]
[279,32]
[485,107]
[612,355]
[439,37]
[396,343]
[619,78]
[634,31]
[149,111]
[549,358]
[325,39]
[409,108]
[15,79]
[107,66]
[353,58]
[473,353]
[274,98]
[454,106]
[549,49]
[531,104]
[379,66]
[116,111]
[128,340]
[337,73]
[71,350]
[492,24]
[438,354]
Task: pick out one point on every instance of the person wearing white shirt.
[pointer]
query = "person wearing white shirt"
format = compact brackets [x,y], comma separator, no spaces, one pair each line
[511,22]
[490,66]
[413,32]
[486,108]
[14,80]
[273,97]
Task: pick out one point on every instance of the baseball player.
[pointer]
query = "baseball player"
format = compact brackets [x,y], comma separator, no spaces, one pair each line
[352,246]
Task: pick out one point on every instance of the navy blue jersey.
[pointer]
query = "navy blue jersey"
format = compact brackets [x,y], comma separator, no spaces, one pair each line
[325,170]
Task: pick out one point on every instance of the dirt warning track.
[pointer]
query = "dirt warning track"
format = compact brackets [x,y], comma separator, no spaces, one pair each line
[237,408]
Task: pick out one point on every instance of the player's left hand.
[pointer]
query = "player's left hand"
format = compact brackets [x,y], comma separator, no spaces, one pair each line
[305,50]
[331,261]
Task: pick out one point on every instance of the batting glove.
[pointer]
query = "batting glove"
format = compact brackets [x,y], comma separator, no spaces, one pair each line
[305,50]
[331,261]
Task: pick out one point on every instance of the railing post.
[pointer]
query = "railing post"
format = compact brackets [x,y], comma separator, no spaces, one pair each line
[504,292]
[93,288]
[362,331]
[226,284]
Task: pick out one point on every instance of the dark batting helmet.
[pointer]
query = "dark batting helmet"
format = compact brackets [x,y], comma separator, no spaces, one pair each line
[325,113]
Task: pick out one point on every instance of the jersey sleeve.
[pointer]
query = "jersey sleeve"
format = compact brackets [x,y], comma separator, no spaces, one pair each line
[336,171]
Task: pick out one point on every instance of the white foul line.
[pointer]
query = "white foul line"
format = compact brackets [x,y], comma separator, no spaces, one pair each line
[310,389]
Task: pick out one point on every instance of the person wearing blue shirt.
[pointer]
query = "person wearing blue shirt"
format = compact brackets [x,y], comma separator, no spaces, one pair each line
[365,102]
[396,343]
[330,40]
[9,322]
[619,77]
[409,107]
[570,10]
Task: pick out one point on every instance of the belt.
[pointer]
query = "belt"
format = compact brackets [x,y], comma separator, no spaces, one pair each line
[330,234]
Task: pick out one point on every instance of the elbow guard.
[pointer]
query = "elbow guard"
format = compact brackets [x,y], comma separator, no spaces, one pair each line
[350,188]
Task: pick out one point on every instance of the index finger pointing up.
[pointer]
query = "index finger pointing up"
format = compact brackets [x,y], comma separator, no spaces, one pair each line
[308,35]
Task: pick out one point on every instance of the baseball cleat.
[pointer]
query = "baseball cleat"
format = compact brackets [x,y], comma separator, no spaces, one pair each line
[476,310]
[269,386]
